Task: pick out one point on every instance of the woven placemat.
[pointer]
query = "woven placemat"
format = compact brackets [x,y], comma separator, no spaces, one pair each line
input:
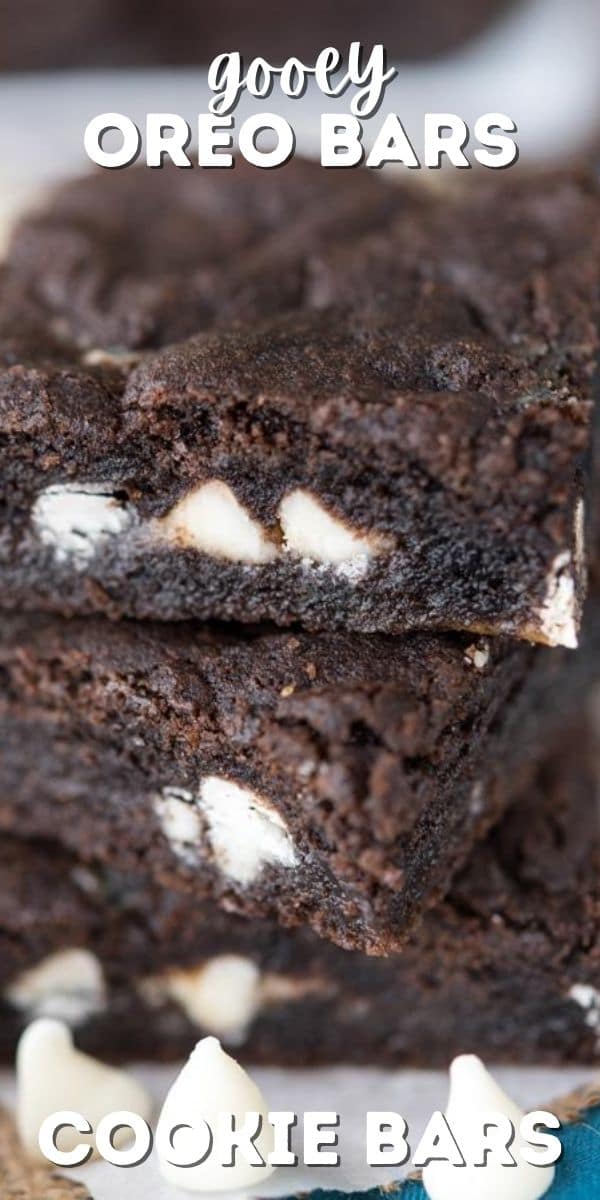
[23,1179]
[570,1108]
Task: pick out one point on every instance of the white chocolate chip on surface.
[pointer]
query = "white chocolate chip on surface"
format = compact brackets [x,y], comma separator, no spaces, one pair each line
[474,1094]
[221,997]
[246,833]
[211,1083]
[75,519]
[313,533]
[68,985]
[211,519]
[53,1076]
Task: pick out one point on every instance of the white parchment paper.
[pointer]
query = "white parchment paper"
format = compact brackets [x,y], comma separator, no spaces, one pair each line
[351,1093]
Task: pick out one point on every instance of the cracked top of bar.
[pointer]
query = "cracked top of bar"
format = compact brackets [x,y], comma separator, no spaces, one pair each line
[310,397]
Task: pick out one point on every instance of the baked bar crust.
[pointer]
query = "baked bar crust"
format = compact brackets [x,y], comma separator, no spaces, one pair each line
[406,445]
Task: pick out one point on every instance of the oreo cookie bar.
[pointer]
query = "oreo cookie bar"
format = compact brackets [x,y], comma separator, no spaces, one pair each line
[123,262]
[508,966]
[405,446]
[333,780]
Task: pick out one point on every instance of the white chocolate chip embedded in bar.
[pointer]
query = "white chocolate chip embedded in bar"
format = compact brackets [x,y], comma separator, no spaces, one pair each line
[222,996]
[211,519]
[121,359]
[75,519]
[180,821]
[559,613]
[246,833]
[311,532]
[68,985]
[588,998]
[478,656]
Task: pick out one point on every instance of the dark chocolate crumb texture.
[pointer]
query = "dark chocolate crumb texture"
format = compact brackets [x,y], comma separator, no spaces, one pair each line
[334,780]
[382,422]
[508,966]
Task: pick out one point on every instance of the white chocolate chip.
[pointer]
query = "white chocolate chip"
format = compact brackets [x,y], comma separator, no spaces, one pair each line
[75,519]
[354,569]
[476,799]
[246,834]
[558,614]
[579,537]
[86,880]
[180,821]
[122,359]
[588,998]
[225,994]
[313,533]
[474,1094]
[211,519]
[285,989]
[68,985]
[478,656]
[53,1076]
[222,996]
[211,1083]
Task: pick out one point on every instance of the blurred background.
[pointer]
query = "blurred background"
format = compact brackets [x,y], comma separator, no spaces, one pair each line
[62,63]
[37,35]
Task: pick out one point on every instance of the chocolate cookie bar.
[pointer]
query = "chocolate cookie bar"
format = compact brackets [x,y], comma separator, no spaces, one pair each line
[508,966]
[406,446]
[335,780]
[129,261]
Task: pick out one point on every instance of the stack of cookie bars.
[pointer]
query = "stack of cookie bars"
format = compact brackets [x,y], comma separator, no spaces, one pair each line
[297,667]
